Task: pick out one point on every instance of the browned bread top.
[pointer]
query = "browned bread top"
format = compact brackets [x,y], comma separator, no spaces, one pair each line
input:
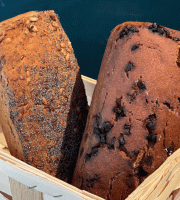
[40,84]
[134,119]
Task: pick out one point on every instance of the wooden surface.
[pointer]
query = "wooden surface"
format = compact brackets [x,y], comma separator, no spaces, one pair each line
[89,87]
[22,192]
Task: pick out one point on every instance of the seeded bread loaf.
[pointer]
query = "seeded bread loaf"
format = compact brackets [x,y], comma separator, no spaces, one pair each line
[133,123]
[43,106]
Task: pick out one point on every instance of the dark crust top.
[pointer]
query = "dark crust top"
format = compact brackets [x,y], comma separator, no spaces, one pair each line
[133,123]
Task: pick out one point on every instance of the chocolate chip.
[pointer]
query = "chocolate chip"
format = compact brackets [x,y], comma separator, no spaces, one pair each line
[87,157]
[124,32]
[102,138]
[152,117]
[97,132]
[94,151]
[168,105]
[106,126]
[148,160]
[121,140]
[160,31]
[153,27]
[141,85]
[176,39]
[127,128]
[151,125]
[140,171]
[134,47]
[129,67]
[167,33]
[170,149]
[133,29]
[111,145]
[90,182]
[130,181]
[119,110]
[151,138]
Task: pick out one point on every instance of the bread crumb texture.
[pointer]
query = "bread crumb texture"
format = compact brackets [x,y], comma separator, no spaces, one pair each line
[42,97]
[134,119]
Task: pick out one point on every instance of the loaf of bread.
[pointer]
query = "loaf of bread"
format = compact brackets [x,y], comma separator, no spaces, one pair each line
[43,106]
[133,123]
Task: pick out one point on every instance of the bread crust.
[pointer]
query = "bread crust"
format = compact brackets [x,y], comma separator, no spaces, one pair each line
[133,123]
[40,83]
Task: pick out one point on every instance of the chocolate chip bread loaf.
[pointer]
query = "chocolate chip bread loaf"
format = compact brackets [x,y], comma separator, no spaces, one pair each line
[43,105]
[133,123]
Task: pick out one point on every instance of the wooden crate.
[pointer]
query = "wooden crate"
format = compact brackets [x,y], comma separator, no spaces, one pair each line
[24,182]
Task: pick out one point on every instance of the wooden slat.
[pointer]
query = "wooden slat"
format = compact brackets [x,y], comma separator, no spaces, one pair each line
[22,192]
[43,182]
[89,84]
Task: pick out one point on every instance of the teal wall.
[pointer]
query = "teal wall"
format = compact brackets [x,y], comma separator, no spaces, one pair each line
[88,23]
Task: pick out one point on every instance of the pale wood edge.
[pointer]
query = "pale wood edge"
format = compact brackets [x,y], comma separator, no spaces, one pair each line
[21,191]
[90,80]
[10,160]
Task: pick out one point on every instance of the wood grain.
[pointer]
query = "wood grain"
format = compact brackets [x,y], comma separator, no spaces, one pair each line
[22,192]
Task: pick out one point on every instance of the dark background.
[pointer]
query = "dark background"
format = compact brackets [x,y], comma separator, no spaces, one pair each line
[88,23]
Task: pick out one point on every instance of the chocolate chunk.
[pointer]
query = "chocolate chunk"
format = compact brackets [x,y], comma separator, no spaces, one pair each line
[140,171]
[127,128]
[134,47]
[106,126]
[153,27]
[97,132]
[151,125]
[111,145]
[121,140]
[124,32]
[129,67]
[167,33]
[152,117]
[87,157]
[151,138]
[94,150]
[148,160]
[160,31]
[168,105]
[141,85]
[176,39]
[90,182]
[133,30]
[118,109]
[102,138]
[130,181]
[170,149]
